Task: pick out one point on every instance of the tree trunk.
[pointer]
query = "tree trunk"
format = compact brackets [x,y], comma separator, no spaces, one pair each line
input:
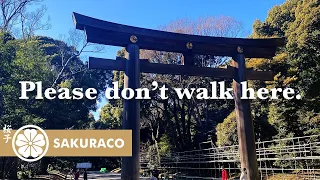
[177,123]
[158,153]
[183,117]
[189,126]
[154,139]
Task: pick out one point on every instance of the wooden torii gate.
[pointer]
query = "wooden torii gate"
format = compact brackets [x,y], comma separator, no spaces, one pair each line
[134,39]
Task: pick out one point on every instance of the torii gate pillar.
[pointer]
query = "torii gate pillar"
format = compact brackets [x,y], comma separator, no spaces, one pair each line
[247,148]
[131,114]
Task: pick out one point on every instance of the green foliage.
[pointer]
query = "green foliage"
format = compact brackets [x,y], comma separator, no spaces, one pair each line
[27,64]
[227,131]
[41,59]
[303,48]
[7,55]
[296,65]
[165,148]
[111,116]
[24,174]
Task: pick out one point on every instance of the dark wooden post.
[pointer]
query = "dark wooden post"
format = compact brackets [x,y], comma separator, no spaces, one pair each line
[247,148]
[131,115]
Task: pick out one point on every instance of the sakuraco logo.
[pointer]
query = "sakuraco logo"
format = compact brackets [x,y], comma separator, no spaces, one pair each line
[30,143]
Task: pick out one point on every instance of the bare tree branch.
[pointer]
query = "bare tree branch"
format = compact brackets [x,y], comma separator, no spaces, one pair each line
[76,40]
[66,64]
[14,12]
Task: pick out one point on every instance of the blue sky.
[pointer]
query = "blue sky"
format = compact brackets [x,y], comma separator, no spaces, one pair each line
[150,13]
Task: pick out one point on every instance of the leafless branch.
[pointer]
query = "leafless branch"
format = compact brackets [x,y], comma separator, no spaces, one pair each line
[76,40]
[14,12]
[67,63]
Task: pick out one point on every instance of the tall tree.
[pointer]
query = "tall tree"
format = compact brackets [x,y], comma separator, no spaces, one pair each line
[296,65]
[39,59]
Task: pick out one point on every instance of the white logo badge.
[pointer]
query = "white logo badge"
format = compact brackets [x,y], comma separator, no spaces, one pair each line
[30,143]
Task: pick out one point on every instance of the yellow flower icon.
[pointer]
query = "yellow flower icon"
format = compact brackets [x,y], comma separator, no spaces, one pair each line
[30,143]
